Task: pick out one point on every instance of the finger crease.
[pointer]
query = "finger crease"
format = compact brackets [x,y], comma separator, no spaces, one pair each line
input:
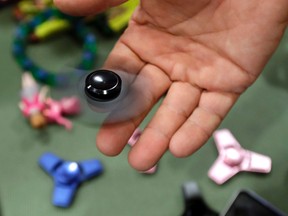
[205,132]
[178,111]
[159,131]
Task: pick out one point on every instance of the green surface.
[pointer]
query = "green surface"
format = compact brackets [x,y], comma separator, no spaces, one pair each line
[259,121]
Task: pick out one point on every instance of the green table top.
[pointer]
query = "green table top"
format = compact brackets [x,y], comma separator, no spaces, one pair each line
[259,121]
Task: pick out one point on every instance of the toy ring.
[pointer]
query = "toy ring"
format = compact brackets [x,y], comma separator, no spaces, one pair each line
[44,76]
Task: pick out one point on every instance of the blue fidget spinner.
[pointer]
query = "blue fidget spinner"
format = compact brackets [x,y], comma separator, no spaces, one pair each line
[68,176]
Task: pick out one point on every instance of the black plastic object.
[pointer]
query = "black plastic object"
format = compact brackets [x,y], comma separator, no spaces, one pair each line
[7,2]
[103,85]
[248,203]
[194,202]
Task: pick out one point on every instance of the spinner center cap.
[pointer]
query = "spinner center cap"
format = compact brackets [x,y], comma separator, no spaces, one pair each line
[103,85]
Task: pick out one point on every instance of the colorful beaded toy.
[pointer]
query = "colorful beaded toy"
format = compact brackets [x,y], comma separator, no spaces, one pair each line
[44,76]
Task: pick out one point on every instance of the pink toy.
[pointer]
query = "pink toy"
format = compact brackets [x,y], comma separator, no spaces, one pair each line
[32,101]
[40,110]
[133,139]
[55,110]
[233,158]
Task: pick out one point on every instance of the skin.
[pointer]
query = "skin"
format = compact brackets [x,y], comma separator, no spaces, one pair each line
[203,53]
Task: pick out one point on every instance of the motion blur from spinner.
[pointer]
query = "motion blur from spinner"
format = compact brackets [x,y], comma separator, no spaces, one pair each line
[107,95]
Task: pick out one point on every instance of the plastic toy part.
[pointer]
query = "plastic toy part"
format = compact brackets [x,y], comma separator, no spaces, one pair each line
[68,176]
[32,101]
[194,202]
[26,9]
[118,17]
[132,141]
[21,41]
[233,159]
[40,110]
[55,110]
[247,202]
[49,28]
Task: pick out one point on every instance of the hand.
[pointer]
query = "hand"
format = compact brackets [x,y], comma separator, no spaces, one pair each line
[203,53]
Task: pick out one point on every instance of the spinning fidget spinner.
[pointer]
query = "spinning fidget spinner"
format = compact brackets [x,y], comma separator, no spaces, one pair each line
[233,158]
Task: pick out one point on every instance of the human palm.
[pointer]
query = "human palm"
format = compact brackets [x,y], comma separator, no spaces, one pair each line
[203,53]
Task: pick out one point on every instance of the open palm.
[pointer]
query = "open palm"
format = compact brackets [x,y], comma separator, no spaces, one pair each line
[203,53]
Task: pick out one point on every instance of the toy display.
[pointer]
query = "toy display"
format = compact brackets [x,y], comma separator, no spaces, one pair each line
[68,176]
[194,202]
[46,77]
[233,158]
[40,109]
[133,139]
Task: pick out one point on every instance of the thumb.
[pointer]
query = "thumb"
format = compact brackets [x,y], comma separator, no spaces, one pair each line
[85,7]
